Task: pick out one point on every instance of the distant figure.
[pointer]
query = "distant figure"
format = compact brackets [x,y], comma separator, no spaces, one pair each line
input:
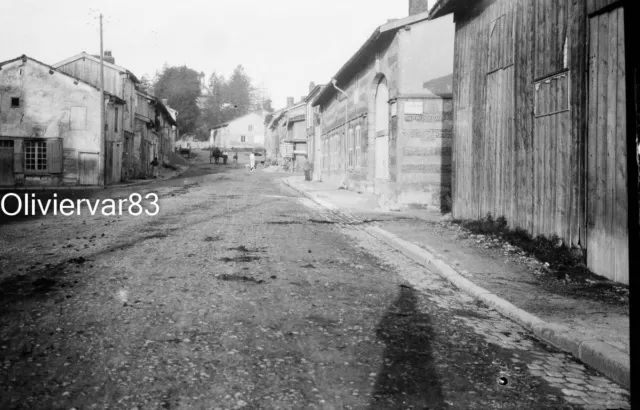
[154,167]
[306,167]
[252,161]
[235,157]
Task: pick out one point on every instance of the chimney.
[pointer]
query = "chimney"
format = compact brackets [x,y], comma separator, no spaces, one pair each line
[418,6]
[312,85]
[108,57]
[289,101]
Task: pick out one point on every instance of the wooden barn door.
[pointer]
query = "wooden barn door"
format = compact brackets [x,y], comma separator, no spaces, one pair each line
[6,163]
[607,200]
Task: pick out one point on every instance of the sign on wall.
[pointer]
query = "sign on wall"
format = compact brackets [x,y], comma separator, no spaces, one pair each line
[413,107]
[286,150]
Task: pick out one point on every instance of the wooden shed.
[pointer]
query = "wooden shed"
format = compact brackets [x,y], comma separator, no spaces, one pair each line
[540,121]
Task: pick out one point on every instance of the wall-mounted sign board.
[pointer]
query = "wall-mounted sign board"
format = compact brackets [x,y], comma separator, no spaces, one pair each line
[413,107]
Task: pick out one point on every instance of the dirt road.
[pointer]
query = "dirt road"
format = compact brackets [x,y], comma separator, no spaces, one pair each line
[239,294]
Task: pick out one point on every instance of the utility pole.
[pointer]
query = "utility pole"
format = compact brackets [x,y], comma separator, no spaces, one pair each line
[103,134]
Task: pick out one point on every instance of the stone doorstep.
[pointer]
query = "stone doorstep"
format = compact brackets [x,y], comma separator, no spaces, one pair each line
[597,354]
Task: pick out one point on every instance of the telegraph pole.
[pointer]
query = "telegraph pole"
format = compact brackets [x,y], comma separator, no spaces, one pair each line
[103,134]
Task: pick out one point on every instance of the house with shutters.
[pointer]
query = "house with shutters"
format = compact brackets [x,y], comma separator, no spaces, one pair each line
[287,132]
[118,81]
[148,128]
[50,126]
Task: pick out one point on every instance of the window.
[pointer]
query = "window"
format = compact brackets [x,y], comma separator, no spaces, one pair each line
[6,144]
[325,149]
[358,154]
[243,138]
[250,127]
[35,155]
[550,42]
[356,91]
[350,146]
[15,102]
[115,123]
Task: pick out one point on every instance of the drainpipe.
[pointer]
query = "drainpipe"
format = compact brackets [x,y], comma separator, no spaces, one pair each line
[346,117]
[103,134]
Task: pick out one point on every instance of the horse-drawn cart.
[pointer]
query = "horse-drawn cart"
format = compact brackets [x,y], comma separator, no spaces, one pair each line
[216,155]
[184,150]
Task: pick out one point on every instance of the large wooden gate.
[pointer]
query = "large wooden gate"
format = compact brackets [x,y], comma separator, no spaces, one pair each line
[607,199]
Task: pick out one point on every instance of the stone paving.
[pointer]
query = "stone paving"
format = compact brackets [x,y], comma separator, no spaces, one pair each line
[579,385]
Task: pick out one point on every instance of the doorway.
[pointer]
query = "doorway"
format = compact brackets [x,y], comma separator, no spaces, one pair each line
[607,194]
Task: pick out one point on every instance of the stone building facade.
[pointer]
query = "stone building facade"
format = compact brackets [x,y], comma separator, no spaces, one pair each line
[386,116]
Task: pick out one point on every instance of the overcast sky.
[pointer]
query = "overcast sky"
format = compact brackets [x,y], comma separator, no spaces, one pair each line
[283,44]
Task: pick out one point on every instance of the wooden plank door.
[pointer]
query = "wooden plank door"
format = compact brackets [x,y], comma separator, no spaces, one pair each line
[6,163]
[117,161]
[88,169]
[114,162]
[607,200]
[108,168]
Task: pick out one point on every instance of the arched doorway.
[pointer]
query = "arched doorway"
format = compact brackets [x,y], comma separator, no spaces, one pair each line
[382,131]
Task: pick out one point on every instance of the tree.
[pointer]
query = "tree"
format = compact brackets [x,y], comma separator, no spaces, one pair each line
[146,85]
[266,105]
[239,91]
[227,100]
[181,86]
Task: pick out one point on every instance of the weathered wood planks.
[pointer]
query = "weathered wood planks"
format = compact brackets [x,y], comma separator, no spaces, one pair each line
[529,143]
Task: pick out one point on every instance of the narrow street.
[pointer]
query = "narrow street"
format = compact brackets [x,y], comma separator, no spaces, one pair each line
[241,294]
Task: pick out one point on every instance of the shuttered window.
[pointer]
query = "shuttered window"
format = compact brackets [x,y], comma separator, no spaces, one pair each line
[35,155]
[54,151]
[551,39]
[41,156]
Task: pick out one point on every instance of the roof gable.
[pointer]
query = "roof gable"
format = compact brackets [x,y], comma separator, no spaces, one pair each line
[381,36]
[70,77]
[85,55]
[226,124]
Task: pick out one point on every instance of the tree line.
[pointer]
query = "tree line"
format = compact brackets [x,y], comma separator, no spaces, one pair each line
[202,104]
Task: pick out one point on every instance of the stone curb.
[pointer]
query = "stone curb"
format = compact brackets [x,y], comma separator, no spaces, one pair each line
[601,356]
[597,354]
[309,195]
